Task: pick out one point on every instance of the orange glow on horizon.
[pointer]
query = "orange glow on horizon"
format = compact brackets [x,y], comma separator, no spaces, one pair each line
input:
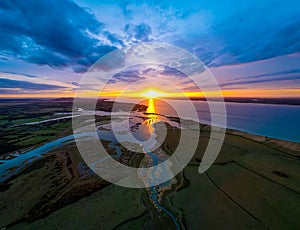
[241,93]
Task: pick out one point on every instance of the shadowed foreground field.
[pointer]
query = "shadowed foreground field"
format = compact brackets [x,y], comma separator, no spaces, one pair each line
[252,185]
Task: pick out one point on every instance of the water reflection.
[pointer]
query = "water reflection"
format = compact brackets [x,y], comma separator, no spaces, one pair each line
[151,116]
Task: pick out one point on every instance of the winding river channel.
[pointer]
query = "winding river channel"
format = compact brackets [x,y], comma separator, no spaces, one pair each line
[143,126]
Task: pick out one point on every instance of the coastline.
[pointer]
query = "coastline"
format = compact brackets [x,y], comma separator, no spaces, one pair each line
[286,145]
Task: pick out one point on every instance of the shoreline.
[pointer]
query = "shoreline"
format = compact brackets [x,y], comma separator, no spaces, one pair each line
[264,139]
[291,146]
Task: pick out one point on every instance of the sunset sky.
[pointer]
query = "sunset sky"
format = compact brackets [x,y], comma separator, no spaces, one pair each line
[251,47]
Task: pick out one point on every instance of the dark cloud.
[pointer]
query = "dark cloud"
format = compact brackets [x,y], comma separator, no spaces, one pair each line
[247,40]
[129,76]
[139,32]
[15,84]
[292,71]
[247,32]
[27,75]
[254,81]
[232,43]
[139,72]
[172,72]
[74,83]
[161,70]
[57,33]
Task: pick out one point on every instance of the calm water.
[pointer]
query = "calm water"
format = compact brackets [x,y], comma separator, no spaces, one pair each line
[277,121]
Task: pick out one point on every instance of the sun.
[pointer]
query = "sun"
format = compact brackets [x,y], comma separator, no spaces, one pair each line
[151,93]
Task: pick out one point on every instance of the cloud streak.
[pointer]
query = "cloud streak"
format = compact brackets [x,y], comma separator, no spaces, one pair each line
[14,84]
